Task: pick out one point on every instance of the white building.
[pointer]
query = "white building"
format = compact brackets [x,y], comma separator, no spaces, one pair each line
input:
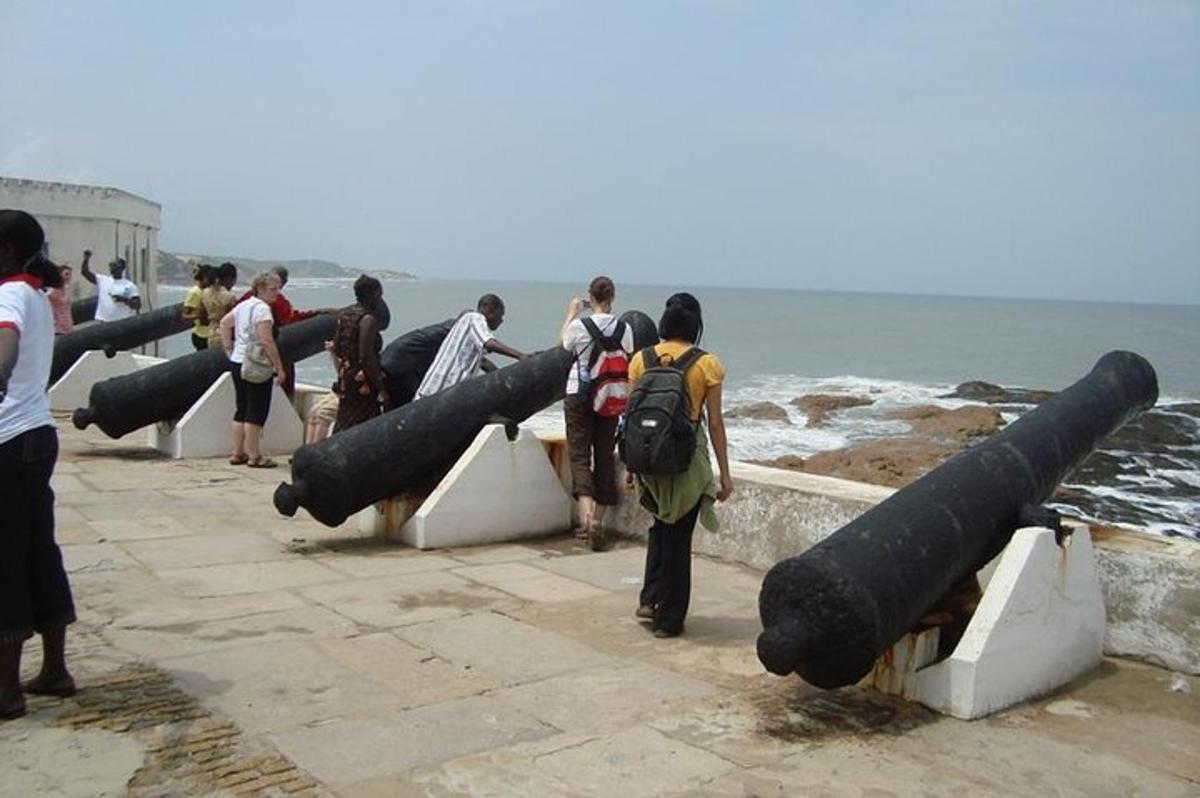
[110,222]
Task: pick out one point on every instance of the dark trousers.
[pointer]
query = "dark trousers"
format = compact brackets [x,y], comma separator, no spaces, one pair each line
[667,585]
[34,593]
[591,441]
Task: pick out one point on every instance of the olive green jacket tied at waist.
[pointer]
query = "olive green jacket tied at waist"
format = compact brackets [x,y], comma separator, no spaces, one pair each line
[670,497]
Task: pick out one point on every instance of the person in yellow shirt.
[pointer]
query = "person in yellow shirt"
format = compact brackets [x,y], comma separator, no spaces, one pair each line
[217,300]
[193,303]
[677,501]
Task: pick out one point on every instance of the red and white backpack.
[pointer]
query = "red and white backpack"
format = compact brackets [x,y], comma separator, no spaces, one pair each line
[608,371]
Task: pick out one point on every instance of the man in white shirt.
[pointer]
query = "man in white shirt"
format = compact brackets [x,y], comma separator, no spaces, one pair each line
[116,297]
[461,354]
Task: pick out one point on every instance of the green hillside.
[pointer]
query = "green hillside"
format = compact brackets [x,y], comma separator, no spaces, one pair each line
[177,267]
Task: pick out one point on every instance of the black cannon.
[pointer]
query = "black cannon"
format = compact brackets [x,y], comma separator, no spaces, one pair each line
[645,331]
[83,309]
[113,336]
[405,360]
[342,474]
[828,614]
[165,391]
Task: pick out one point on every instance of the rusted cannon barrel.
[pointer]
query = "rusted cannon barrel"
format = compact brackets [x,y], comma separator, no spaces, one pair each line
[339,476]
[83,309]
[114,336]
[165,391]
[828,614]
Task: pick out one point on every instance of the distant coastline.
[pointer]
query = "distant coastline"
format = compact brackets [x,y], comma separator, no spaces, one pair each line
[175,268]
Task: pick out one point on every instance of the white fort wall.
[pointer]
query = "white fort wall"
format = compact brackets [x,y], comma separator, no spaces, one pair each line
[110,222]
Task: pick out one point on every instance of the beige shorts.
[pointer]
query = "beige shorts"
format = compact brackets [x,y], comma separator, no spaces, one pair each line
[325,410]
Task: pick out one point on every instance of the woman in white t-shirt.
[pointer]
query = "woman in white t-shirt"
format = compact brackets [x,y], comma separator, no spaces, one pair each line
[34,593]
[251,323]
[591,437]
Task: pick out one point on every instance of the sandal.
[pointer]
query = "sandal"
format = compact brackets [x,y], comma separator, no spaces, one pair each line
[262,462]
[64,687]
[242,460]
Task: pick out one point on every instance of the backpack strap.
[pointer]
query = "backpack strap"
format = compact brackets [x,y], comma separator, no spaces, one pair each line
[688,359]
[600,341]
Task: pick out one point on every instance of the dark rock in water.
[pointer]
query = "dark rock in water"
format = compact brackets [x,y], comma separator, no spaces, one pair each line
[818,406]
[1187,408]
[1157,430]
[762,411]
[979,391]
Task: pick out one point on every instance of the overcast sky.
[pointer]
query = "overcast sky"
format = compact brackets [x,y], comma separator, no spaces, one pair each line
[1039,149]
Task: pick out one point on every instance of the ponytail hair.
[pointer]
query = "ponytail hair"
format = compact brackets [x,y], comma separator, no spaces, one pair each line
[22,232]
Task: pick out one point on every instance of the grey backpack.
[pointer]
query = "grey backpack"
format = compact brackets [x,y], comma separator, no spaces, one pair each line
[659,436]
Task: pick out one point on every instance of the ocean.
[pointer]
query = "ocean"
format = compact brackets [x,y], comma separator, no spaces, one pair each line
[897,350]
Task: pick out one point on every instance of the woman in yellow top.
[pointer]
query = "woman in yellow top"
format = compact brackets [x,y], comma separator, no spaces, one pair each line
[677,501]
[193,304]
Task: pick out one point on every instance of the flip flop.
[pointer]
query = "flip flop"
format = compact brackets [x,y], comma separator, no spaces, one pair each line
[239,460]
[262,462]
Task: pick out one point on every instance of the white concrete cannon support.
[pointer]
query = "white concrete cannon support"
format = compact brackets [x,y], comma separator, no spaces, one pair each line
[1039,625]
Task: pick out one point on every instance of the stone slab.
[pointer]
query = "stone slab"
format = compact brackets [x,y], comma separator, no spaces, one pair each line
[257,577]
[389,744]
[956,759]
[183,639]
[155,608]
[201,550]
[604,699]
[378,565]
[281,685]
[633,763]
[415,676]
[89,558]
[529,582]
[496,773]
[618,569]
[399,601]
[488,555]
[511,651]
[67,484]
[66,763]
[144,528]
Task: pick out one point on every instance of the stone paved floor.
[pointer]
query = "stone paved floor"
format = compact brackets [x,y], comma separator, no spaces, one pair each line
[223,649]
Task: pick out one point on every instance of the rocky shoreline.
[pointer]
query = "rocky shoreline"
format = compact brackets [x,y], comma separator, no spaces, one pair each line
[1157,455]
